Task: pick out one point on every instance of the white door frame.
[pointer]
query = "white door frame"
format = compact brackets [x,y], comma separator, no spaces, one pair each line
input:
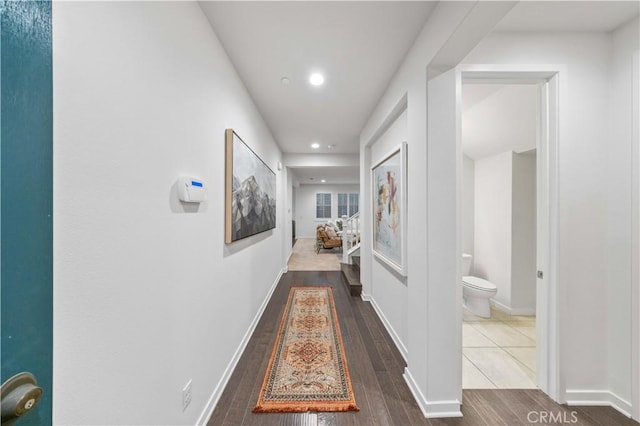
[548,368]
[635,242]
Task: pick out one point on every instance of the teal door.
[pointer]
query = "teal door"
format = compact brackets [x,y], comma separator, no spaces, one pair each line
[26,198]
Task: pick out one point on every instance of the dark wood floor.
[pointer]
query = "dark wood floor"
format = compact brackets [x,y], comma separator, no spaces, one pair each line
[376,369]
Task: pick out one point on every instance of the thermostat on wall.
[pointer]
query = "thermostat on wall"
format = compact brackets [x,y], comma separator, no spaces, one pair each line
[191,189]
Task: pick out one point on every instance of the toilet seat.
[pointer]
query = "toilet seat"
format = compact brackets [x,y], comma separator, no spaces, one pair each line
[479,283]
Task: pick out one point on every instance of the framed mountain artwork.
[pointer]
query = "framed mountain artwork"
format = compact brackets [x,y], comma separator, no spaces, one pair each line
[250,191]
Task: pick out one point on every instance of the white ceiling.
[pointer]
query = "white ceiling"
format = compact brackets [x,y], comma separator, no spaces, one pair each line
[598,16]
[498,118]
[358,46]
[332,175]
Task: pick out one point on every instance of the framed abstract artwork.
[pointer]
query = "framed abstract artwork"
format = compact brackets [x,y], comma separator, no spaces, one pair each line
[389,184]
[250,191]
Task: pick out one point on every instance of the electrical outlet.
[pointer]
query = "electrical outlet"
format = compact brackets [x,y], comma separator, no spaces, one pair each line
[186,395]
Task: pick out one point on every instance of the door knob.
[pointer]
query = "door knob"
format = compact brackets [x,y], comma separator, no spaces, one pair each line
[18,396]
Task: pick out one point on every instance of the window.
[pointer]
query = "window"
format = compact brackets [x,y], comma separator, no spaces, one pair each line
[323,205]
[354,204]
[348,204]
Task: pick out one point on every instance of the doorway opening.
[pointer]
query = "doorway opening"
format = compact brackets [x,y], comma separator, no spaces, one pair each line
[521,330]
[500,129]
[325,205]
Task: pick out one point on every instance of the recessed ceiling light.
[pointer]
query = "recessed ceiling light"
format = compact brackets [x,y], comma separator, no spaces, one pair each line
[315,145]
[333,145]
[285,80]
[316,79]
[323,181]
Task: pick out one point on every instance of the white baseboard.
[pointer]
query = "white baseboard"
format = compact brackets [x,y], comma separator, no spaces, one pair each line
[513,311]
[394,336]
[365,297]
[222,383]
[598,398]
[431,409]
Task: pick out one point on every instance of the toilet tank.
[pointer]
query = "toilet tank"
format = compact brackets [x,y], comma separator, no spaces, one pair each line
[466,264]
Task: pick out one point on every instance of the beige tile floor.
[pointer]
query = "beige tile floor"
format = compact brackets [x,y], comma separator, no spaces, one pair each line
[498,352]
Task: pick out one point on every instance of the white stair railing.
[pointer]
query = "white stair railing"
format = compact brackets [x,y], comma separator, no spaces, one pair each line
[350,236]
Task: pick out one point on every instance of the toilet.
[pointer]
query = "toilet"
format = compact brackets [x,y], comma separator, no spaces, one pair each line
[476,292]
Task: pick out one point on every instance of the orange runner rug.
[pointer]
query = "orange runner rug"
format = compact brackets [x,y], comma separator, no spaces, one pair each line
[308,368]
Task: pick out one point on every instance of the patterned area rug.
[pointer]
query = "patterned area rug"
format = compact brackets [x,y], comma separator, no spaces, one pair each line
[308,368]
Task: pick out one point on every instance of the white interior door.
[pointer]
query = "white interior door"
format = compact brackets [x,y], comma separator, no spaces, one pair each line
[635,255]
[547,137]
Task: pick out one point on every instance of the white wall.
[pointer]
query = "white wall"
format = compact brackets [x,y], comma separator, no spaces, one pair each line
[499,118]
[147,296]
[388,290]
[468,205]
[583,201]
[294,185]
[635,239]
[523,238]
[493,201]
[505,229]
[433,332]
[582,212]
[289,214]
[305,198]
[618,187]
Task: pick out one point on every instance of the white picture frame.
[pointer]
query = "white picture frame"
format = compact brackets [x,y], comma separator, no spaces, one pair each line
[389,209]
